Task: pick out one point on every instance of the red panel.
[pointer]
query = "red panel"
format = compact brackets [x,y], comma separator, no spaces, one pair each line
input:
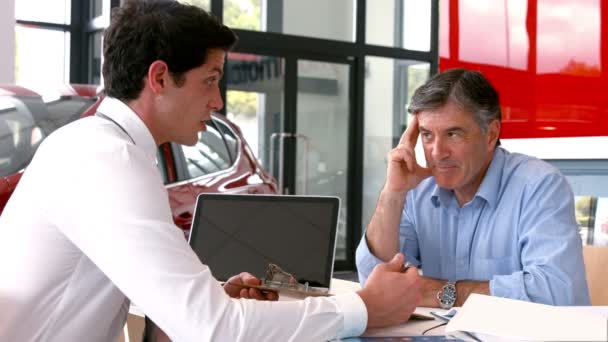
[543,56]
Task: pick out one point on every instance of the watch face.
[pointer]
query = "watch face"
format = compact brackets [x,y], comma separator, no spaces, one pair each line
[448,296]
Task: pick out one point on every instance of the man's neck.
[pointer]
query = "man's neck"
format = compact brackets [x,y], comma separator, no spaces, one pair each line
[142,108]
[466,194]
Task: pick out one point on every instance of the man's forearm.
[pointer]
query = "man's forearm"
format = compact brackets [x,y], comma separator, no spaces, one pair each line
[383,230]
[464,288]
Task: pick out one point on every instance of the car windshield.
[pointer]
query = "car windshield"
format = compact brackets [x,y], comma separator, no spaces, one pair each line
[26,121]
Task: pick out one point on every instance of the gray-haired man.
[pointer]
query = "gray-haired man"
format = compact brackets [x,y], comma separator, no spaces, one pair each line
[476,219]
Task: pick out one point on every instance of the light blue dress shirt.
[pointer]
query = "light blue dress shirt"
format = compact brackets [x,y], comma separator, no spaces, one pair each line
[519,232]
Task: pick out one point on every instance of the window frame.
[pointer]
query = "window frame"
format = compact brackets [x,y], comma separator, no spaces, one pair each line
[584,167]
[82,28]
[285,45]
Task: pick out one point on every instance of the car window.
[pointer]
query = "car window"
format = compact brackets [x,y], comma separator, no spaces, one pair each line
[26,121]
[209,155]
[589,182]
[229,138]
[66,109]
[19,135]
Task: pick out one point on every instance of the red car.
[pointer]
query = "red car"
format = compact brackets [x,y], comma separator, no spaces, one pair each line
[221,161]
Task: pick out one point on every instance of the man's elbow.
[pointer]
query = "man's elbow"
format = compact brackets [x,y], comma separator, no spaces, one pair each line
[562,290]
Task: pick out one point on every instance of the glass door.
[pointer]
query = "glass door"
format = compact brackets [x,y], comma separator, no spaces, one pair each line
[296,116]
[255,101]
[322,131]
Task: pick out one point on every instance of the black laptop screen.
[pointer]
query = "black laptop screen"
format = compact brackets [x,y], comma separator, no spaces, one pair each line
[236,233]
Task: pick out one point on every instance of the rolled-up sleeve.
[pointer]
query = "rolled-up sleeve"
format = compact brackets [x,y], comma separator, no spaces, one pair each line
[408,238]
[408,242]
[553,270]
[366,261]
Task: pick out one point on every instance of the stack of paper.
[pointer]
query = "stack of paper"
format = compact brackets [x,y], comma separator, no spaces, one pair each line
[518,320]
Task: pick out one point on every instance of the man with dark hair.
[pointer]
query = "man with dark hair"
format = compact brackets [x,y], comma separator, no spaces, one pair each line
[89,227]
[476,219]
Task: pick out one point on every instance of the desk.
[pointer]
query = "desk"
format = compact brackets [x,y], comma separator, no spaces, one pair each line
[135,321]
[338,286]
[417,327]
[410,328]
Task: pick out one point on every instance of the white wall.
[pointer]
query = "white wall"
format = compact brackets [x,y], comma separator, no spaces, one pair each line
[7,42]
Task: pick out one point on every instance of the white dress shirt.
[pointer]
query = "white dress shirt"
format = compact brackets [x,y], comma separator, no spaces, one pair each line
[89,228]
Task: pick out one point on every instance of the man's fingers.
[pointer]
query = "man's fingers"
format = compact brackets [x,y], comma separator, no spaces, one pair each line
[239,286]
[401,153]
[424,172]
[410,164]
[272,296]
[396,263]
[255,294]
[391,296]
[413,278]
[410,136]
[412,272]
[248,278]
[244,293]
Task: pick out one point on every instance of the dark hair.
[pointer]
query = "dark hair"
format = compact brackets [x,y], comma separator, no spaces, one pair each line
[143,31]
[469,90]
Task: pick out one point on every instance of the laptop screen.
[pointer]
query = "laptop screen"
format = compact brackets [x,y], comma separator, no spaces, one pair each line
[245,233]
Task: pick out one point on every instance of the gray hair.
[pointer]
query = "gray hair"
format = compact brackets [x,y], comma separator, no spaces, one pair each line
[469,90]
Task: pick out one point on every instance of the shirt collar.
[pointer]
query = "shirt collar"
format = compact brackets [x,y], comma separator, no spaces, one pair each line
[440,195]
[131,122]
[490,185]
[488,190]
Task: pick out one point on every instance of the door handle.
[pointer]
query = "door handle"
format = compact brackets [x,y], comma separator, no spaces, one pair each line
[281,137]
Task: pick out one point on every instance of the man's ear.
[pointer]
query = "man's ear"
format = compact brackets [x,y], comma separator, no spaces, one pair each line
[158,74]
[493,132]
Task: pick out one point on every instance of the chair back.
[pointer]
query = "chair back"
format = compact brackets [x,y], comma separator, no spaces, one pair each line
[596,268]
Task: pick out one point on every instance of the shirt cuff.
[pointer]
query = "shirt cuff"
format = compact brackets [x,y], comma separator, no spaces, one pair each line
[354,314]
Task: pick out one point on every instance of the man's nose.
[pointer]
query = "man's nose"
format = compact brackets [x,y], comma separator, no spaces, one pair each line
[440,149]
[216,103]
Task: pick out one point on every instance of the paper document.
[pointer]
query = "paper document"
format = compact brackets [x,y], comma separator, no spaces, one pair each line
[520,320]
[445,315]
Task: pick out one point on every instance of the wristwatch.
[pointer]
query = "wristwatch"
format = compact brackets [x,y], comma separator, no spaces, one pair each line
[447,295]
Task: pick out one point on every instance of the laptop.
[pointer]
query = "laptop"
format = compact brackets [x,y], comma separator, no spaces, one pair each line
[236,233]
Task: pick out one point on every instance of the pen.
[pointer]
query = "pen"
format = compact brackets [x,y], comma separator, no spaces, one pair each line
[406,266]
